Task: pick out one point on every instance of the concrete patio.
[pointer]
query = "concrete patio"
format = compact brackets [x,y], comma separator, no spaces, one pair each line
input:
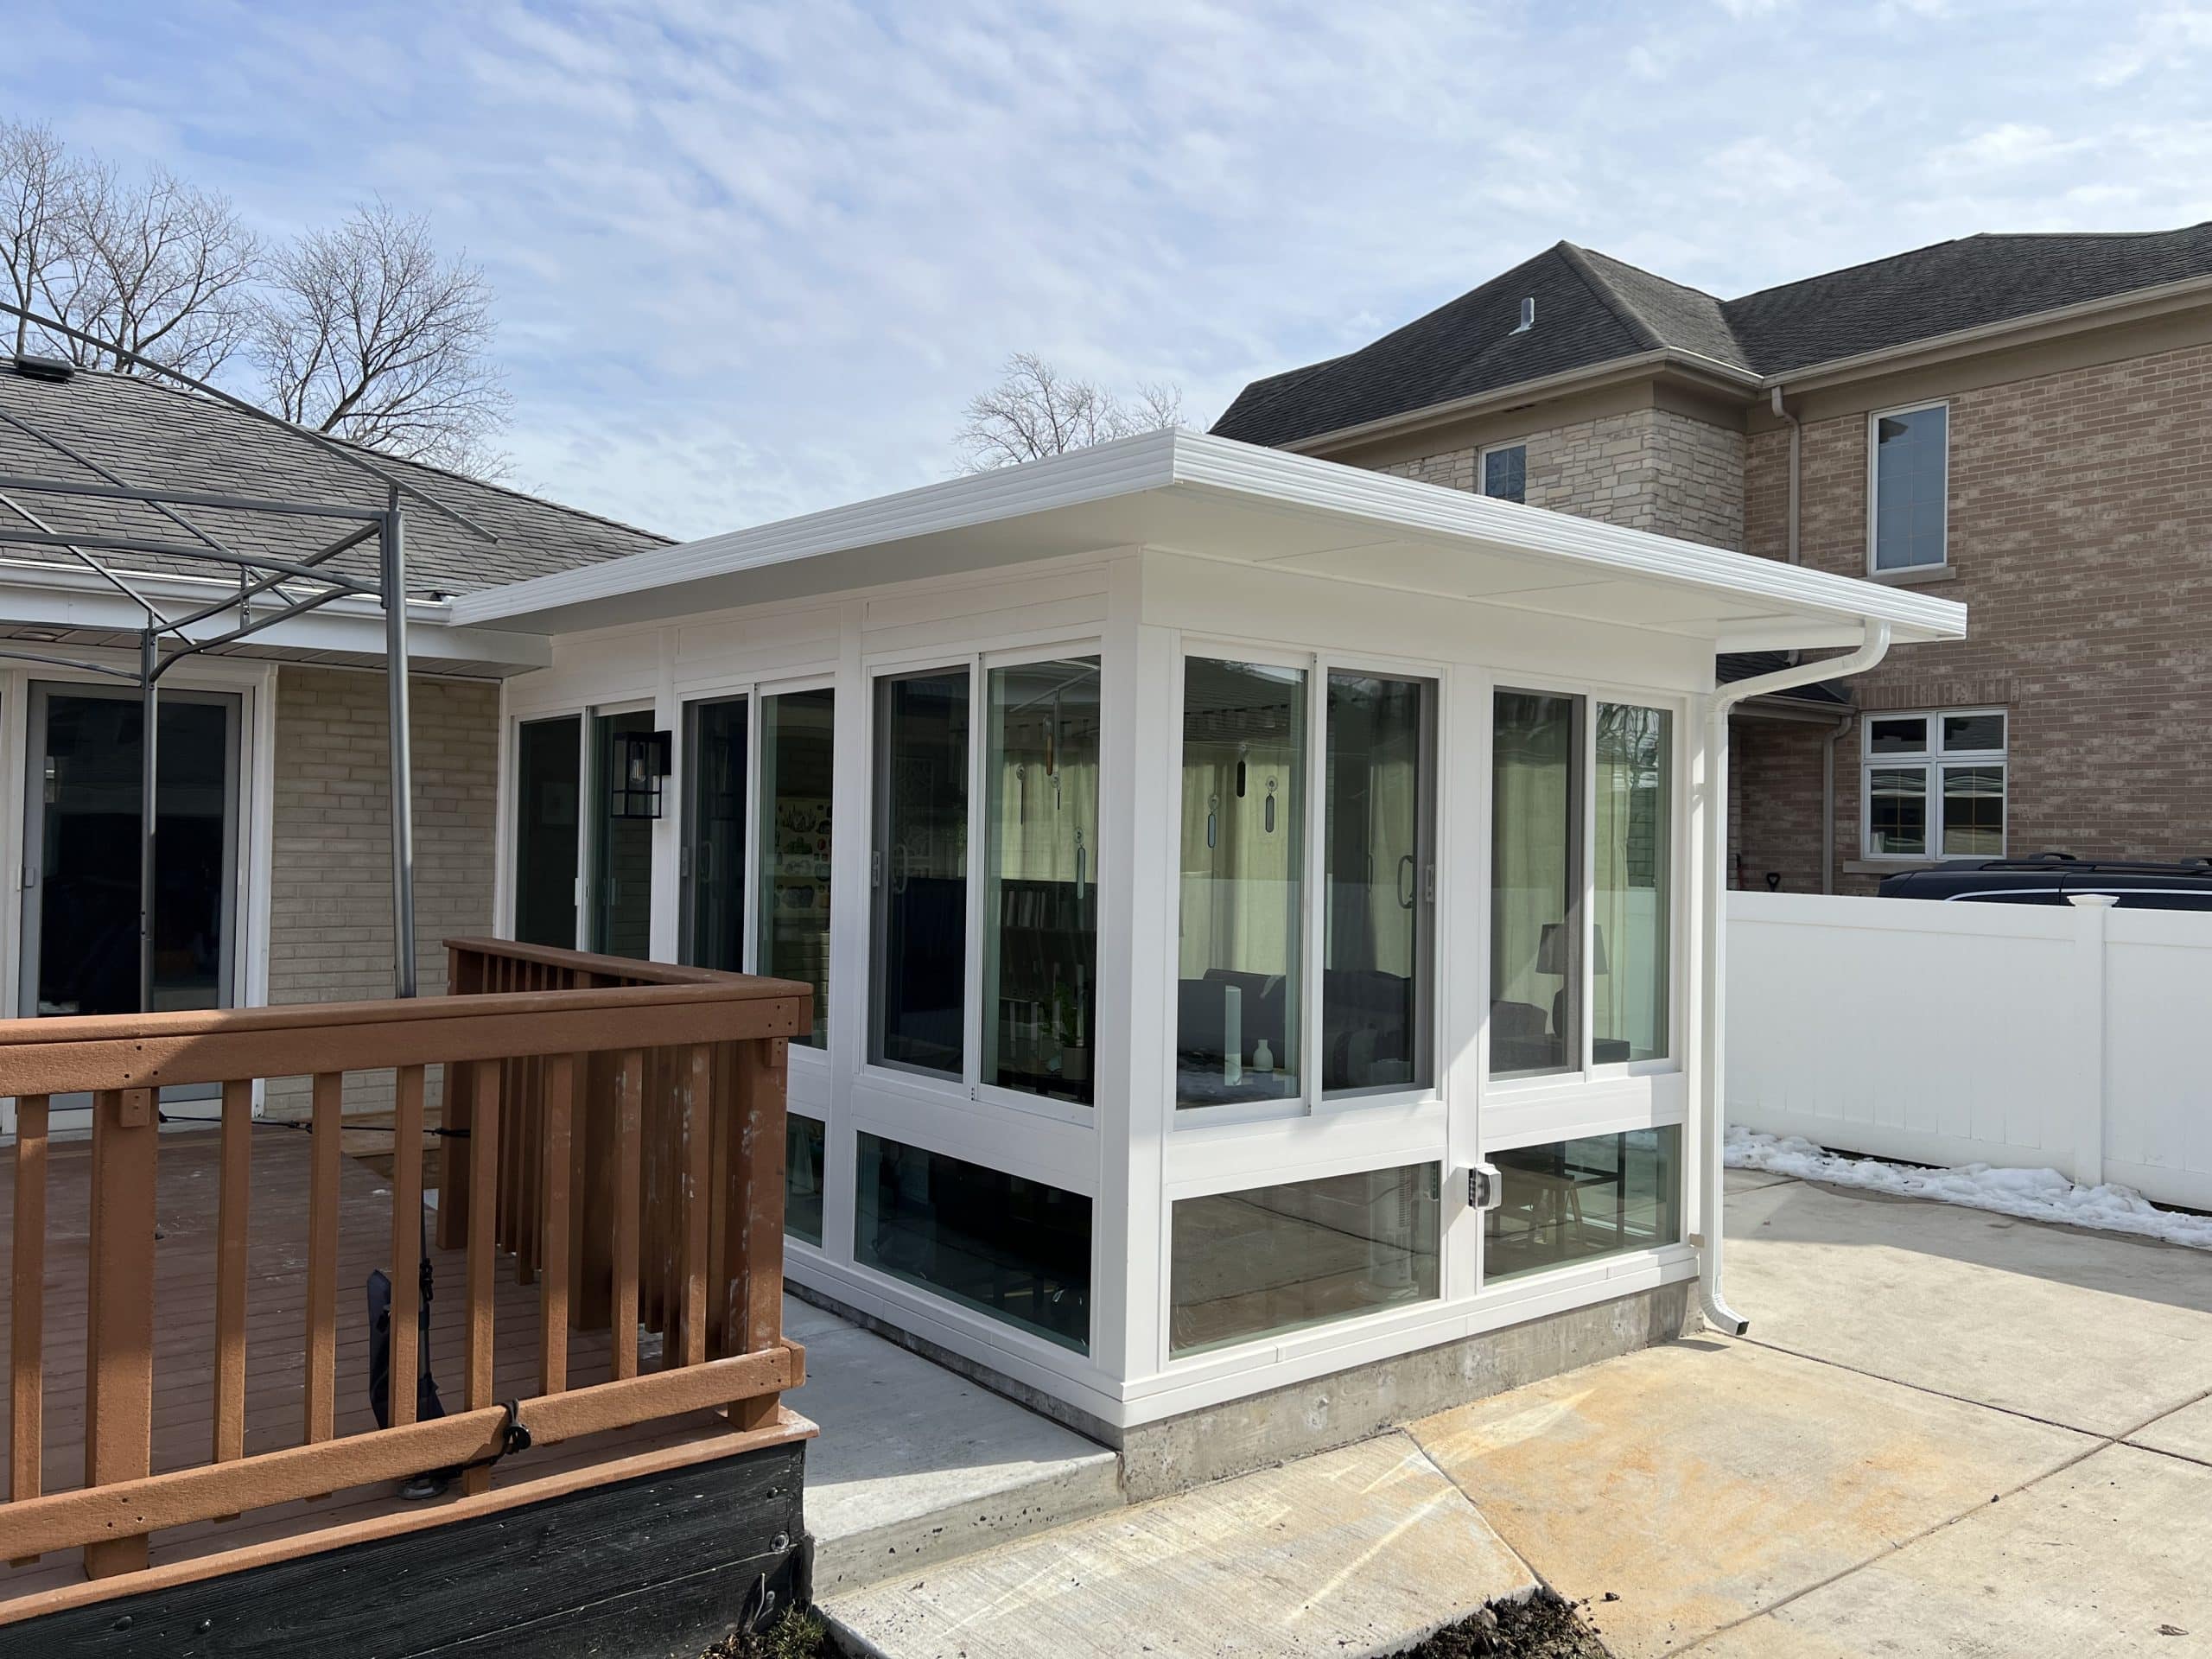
[1948,1432]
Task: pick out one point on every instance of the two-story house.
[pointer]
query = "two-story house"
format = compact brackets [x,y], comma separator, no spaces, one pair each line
[2026,419]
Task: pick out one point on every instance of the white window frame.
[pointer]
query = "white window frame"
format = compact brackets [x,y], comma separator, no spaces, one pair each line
[1482,468]
[1929,759]
[969,1088]
[1502,1095]
[1312,1101]
[1874,420]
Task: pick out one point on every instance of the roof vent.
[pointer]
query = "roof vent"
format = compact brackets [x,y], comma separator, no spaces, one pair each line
[1528,317]
[43,368]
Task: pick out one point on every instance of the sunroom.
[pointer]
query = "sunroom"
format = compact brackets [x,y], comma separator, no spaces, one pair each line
[1259,912]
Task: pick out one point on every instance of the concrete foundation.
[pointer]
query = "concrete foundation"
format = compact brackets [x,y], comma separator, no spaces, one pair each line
[1338,1409]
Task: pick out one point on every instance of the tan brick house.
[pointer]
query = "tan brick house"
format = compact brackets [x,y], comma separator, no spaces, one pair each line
[2026,420]
[274,871]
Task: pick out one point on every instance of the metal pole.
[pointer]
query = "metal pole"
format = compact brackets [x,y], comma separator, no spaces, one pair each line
[149,707]
[394,563]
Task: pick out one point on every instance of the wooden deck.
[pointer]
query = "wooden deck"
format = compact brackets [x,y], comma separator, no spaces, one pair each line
[185,1347]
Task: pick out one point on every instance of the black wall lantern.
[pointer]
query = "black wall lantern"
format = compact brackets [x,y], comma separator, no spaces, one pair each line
[641,761]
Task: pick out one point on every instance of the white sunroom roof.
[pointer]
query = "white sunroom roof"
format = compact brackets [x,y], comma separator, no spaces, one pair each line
[1187,492]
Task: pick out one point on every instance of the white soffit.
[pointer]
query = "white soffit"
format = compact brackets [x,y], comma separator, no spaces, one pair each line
[1214,497]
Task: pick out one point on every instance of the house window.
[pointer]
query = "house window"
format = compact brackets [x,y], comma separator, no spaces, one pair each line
[1536,937]
[1014,1249]
[1577,1200]
[715,790]
[919,869]
[1040,897]
[621,913]
[1252,870]
[1908,483]
[1935,784]
[1629,855]
[547,830]
[1505,471]
[1273,1259]
[792,919]
[805,1142]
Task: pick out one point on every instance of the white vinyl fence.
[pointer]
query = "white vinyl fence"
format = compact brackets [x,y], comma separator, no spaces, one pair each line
[2022,1035]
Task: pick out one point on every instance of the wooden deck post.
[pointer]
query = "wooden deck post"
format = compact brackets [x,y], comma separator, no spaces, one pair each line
[406,1239]
[232,1199]
[27,1304]
[757,1183]
[322,1258]
[119,1331]
[482,1249]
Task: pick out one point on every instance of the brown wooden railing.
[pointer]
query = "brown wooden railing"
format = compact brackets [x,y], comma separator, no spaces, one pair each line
[624,1145]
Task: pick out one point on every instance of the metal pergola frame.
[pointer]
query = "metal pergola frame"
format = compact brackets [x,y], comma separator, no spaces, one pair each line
[295,585]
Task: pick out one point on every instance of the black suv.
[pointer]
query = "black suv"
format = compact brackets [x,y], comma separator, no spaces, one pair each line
[2050,878]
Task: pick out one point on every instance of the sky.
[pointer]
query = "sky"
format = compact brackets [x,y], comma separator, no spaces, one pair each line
[753,260]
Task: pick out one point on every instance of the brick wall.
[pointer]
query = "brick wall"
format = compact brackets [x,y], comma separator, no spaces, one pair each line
[1774,802]
[2080,533]
[1648,468]
[330,900]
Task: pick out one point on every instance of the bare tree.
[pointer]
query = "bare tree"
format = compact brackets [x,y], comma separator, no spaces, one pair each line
[1035,411]
[155,267]
[39,180]
[367,334]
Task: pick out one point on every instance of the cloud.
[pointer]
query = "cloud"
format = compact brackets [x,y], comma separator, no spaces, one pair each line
[752,258]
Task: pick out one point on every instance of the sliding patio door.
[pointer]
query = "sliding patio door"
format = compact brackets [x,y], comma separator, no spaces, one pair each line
[81,900]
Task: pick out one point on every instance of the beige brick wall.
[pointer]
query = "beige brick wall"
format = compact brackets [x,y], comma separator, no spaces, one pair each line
[2081,531]
[1648,468]
[330,894]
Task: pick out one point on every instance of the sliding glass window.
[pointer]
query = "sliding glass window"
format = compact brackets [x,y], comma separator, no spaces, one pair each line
[919,872]
[792,921]
[1378,882]
[1041,904]
[622,847]
[714,834]
[1240,951]
[548,769]
[1629,886]
[1536,945]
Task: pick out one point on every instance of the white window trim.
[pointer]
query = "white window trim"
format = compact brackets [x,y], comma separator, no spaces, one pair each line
[969,1090]
[1482,468]
[1930,760]
[1312,1100]
[1874,490]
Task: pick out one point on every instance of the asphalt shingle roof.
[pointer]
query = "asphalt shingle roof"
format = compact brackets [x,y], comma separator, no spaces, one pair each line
[152,436]
[1591,309]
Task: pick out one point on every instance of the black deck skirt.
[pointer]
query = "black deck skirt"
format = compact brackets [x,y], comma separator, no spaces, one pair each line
[658,1566]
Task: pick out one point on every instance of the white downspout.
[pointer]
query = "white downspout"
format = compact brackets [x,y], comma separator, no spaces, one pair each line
[1713,924]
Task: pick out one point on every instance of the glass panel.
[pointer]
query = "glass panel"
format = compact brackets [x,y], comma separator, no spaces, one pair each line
[1973,811]
[921,873]
[1374,949]
[1015,1249]
[1628,938]
[1536,945]
[1505,474]
[545,830]
[1909,487]
[797,729]
[1042,904]
[622,856]
[1577,1199]
[88,855]
[805,1140]
[1906,736]
[1277,1258]
[1240,946]
[1974,732]
[1897,809]
[713,811]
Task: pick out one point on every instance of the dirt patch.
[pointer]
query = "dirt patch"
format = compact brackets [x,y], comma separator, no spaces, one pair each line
[799,1634]
[1545,1626]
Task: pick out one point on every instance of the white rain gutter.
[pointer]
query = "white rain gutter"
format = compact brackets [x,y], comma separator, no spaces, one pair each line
[1712,1094]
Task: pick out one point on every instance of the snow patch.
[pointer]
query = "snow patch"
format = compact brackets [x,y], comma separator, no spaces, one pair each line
[2031,1194]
